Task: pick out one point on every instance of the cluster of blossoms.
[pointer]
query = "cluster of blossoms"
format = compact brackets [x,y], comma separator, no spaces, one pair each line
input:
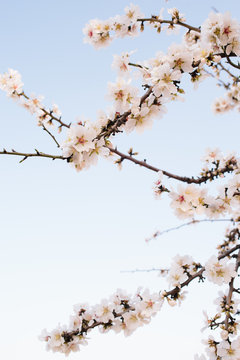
[228,345]
[201,49]
[222,271]
[161,76]
[11,83]
[97,32]
[232,236]
[121,312]
[219,271]
[182,268]
[222,33]
[191,200]
[81,146]
[229,102]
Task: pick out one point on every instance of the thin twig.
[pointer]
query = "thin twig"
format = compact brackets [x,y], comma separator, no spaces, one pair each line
[36,154]
[159,233]
[144,270]
[52,136]
[220,81]
[230,293]
[232,63]
[235,78]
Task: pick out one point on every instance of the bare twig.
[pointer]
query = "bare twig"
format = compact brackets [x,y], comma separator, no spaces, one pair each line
[235,78]
[231,62]
[145,270]
[220,81]
[36,154]
[52,136]
[159,233]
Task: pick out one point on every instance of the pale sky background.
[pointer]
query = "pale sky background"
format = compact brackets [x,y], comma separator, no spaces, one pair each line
[66,236]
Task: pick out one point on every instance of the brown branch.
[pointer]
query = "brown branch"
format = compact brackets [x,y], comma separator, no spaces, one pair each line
[189,180]
[137,65]
[52,136]
[36,154]
[85,328]
[230,293]
[232,63]
[170,22]
[220,81]
[112,127]
[235,78]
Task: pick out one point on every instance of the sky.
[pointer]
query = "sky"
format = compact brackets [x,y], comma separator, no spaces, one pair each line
[67,237]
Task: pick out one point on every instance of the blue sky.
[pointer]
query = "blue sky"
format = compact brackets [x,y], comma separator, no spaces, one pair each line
[66,236]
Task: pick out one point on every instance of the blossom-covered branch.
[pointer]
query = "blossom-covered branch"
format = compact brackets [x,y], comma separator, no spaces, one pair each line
[140,94]
[123,312]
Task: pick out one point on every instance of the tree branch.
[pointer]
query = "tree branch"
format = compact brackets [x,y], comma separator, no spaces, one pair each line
[52,136]
[235,78]
[232,63]
[189,180]
[177,289]
[36,154]
[230,293]
[170,22]
[85,327]
[112,127]
[49,113]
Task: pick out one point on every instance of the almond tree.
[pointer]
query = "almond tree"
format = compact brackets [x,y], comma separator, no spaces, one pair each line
[140,95]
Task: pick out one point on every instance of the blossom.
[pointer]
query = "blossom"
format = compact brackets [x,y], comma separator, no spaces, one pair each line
[176,15]
[180,57]
[81,146]
[133,13]
[33,104]
[188,200]
[97,33]
[229,351]
[163,78]
[121,64]
[122,93]
[219,271]
[11,82]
